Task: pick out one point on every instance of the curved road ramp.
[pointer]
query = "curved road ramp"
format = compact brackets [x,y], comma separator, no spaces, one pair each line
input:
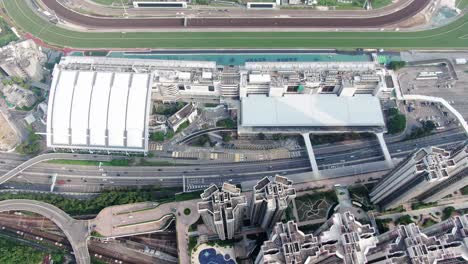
[133,219]
[50,156]
[111,222]
[76,231]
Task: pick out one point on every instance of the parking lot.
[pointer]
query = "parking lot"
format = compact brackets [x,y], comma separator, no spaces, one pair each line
[420,80]
[417,112]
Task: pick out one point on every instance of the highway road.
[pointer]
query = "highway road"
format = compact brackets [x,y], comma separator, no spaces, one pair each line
[92,22]
[90,178]
[76,231]
[50,156]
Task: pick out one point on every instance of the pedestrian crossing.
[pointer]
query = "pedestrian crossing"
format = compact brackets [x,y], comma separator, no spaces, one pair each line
[155,147]
[194,184]
[238,157]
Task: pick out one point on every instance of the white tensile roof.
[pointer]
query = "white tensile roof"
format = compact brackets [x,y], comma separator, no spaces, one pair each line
[311,110]
[98,110]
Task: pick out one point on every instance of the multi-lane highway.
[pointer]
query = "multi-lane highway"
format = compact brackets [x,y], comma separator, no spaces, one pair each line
[87,21]
[91,178]
[50,156]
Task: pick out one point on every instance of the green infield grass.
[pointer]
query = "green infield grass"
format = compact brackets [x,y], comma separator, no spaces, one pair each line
[454,35]
[461,4]
[108,2]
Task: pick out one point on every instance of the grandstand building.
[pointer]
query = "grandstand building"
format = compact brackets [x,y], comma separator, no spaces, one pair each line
[321,113]
[103,103]
[99,104]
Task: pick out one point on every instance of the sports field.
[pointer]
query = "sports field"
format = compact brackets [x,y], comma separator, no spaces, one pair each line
[454,35]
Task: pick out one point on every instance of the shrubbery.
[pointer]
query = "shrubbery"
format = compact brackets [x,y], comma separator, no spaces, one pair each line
[396,65]
[396,121]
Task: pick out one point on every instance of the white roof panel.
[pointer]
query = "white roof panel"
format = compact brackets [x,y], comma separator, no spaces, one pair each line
[61,110]
[80,106]
[184,75]
[311,110]
[259,78]
[118,109]
[136,110]
[98,109]
[53,87]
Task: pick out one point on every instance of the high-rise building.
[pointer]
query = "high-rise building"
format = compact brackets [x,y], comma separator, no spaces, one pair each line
[269,200]
[445,242]
[223,210]
[345,239]
[457,179]
[420,177]
[342,239]
[287,244]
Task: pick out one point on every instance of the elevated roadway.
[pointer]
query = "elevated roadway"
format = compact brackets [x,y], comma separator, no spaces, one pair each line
[76,231]
[50,156]
[90,178]
[204,131]
[94,22]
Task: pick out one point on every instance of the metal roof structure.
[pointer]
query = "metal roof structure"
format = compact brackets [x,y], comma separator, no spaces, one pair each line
[311,110]
[99,110]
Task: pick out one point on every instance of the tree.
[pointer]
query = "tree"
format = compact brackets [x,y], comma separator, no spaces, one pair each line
[12,252]
[226,136]
[396,121]
[157,136]
[261,136]
[404,220]
[447,212]
[170,134]
[393,111]
[227,123]
[31,145]
[278,136]
[428,126]
[396,124]
[396,65]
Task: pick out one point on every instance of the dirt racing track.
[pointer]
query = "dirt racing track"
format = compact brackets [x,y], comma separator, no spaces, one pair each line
[73,17]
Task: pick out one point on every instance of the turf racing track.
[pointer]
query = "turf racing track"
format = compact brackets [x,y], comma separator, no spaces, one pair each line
[206,22]
[454,35]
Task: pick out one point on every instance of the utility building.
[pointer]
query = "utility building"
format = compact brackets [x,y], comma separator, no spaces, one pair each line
[421,176]
[269,201]
[223,210]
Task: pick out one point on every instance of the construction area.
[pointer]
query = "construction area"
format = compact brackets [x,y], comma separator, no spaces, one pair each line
[8,137]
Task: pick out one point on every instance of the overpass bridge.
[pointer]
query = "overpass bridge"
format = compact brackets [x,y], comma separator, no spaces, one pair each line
[76,231]
[50,156]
